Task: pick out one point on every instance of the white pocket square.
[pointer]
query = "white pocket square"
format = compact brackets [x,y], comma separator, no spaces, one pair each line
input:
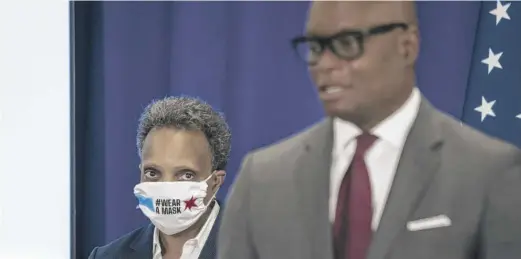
[429,223]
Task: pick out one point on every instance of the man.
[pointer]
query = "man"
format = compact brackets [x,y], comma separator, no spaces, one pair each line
[386,175]
[184,146]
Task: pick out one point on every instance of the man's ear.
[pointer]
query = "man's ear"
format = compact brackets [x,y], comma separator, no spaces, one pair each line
[411,45]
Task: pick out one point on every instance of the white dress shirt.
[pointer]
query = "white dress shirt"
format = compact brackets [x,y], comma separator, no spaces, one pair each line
[193,247]
[381,159]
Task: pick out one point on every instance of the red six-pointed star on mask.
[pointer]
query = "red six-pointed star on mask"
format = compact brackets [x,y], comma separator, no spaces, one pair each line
[189,204]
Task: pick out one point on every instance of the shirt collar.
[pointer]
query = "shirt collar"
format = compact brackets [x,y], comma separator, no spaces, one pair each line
[201,237]
[393,129]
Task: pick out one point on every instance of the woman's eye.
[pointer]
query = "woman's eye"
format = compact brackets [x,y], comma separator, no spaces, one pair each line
[187,176]
[151,174]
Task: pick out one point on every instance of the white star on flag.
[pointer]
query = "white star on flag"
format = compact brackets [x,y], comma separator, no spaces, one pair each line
[518,116]
[500,12]
[493,60]
[486,108]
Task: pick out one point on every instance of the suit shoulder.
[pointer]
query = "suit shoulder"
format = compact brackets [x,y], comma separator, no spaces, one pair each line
[478,143]
[117,246]
[288,145]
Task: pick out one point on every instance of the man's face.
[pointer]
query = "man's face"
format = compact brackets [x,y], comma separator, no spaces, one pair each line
[170,154]
[359,88]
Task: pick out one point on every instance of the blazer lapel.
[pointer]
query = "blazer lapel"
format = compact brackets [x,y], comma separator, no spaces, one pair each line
[141,247]
[312,177]
[418,163]
[210,246]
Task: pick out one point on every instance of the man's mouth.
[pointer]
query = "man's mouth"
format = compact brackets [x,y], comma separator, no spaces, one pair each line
[331,89]
[331,92]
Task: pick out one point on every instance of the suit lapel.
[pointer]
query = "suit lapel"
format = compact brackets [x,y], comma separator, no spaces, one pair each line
[210,246]
[209,249]
[312,177]
[141,246]
[418,164]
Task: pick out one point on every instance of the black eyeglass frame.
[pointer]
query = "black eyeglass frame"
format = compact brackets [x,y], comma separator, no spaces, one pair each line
[359,35]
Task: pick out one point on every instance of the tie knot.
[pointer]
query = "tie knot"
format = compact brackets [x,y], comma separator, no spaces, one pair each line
[364,142]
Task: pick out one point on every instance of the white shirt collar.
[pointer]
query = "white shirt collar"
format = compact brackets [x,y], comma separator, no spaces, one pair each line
[394,129]
[198,240]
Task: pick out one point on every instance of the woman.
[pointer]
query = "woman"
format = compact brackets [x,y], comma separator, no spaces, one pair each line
[184,146]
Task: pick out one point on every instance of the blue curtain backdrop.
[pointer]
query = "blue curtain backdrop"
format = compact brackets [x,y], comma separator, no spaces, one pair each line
[235,55]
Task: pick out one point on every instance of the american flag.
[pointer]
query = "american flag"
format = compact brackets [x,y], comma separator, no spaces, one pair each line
[493,99]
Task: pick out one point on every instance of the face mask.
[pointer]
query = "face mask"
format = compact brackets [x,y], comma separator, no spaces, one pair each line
[172,206]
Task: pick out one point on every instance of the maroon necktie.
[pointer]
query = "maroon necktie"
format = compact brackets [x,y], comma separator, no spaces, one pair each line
[354,212]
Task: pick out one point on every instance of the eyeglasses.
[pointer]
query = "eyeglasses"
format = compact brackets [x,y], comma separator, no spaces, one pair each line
[347,45]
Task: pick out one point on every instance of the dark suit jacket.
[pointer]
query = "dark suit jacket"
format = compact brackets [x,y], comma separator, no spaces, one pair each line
[138,244]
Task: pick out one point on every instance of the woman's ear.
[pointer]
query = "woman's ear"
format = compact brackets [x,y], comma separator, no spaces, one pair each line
[140,172]
[218,180]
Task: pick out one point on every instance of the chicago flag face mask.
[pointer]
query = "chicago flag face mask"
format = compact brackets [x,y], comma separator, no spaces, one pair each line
[172,206]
